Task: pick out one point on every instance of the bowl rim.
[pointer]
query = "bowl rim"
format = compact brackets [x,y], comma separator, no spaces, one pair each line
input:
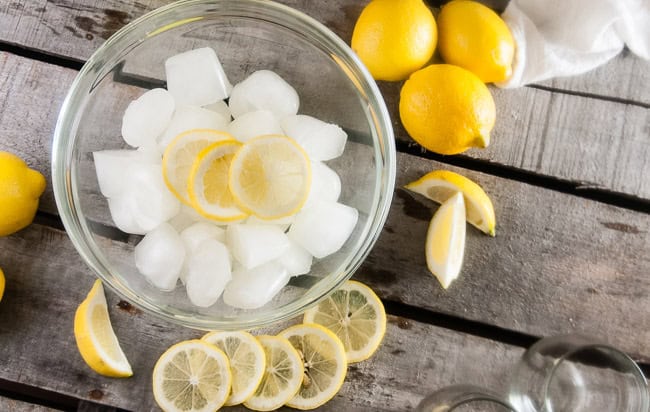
[65,135]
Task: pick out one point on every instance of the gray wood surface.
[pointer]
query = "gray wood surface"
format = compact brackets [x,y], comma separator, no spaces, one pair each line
[552,250]
[47,280]
[81,26]
[12,405]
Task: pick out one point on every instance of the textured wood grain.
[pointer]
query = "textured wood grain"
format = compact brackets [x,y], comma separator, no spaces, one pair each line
[79,27]
[12,405]
[46,281]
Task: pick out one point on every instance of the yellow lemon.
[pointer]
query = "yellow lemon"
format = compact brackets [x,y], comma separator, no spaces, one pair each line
[394,38]
[20,188]
[356,315]
[270,177]
[192,376]
[95,338]
[447,109]
[476,38]
[440,185]
[2,284]
[445,245]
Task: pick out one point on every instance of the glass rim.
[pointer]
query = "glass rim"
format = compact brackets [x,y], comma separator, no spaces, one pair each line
[63,166]
[454,396]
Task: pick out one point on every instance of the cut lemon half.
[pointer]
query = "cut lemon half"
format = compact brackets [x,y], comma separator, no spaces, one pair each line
[95,338]
[191,376]
[179,157]
[270,176]
[445,246]
[440,185]
[208,183]
[356,315]
[282,377]
[325,364]
[247,362]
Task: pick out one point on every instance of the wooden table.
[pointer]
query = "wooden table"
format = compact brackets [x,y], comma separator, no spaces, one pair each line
[568,171]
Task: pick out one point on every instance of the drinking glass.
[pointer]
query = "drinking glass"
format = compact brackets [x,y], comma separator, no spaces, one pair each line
[464,398]
[574,373]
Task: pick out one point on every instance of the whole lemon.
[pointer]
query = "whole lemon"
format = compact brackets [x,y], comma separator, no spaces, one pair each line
[394,38]
[2,284]
[447,109]
[20,188]
[476,38]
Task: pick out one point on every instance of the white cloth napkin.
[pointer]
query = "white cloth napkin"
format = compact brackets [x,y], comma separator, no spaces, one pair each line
[567,37]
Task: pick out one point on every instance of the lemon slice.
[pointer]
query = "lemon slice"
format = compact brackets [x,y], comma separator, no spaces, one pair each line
[208,183]
[191,376]
[179,157]
[270,176]
[282,377]
[445,244]
[95,338]
[325,364]
[247,362]
[356,315]
[440,185]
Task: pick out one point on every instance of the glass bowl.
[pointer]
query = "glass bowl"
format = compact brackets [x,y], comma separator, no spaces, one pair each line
[248,35]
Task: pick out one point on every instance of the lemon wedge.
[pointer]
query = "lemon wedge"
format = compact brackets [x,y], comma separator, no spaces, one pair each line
[95,338]
[445,245]
[180,155]
[325,364]
[191,376]
[440,185]
[282,377]
[208,183]
[247,362]
[270,176]
[356,315]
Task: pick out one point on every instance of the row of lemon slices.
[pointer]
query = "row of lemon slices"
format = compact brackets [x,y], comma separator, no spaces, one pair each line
[225,180]
[303,367]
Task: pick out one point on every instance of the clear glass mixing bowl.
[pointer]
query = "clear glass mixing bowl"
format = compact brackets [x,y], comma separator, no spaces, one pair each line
[248,35]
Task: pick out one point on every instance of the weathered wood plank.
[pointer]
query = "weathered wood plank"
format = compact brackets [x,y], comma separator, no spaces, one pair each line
[12,405]
[79,27]
[46,280]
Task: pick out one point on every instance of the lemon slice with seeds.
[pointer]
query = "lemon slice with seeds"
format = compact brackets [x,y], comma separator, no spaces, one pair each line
[325,364]
[191,376]
[270,176]
[440,185]
[95,338]
[180,155]
[247,362]
[208,183]
[282,377]
[356,315]
[445,245]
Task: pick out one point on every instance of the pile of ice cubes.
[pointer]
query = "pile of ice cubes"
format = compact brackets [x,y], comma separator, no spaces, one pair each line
[246,262]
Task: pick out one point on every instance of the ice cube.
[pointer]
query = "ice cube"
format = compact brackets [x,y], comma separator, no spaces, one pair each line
[264,90]
[191,117]
[154,203]
[194,235]
[254,288]
[220,107]
[121,208]
[321,140]
[111,167]
[323,228]
[296,260]
[253,245]
[208,272]
[160,255]
[325,185]
[283,222]
[196,77]
[253,124]
[147,117]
